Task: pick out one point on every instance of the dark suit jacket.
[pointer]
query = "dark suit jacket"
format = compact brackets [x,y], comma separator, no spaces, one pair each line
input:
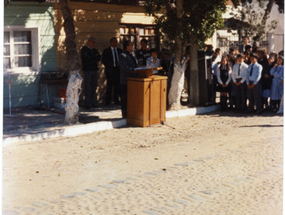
[107,59]
[127,64]
[241,48]
[90,59]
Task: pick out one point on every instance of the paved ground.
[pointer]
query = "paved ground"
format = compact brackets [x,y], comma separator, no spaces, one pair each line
[210,164]
[28,120]
[30,124]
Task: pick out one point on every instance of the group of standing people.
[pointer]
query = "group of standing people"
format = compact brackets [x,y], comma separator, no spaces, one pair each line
[253,74]
[118,67]
[246,73]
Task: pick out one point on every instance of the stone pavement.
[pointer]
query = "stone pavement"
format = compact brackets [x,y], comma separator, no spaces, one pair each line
[211,164]
[201,186]
[30,124]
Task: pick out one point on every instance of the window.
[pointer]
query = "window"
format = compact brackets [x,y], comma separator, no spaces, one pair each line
[135,33]
[20,48]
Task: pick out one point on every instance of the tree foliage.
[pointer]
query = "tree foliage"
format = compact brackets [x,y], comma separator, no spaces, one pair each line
[199,19]
[254,15]
[280,3]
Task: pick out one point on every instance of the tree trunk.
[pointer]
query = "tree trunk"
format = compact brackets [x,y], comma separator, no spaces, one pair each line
[177,81]
[176,88]
[72,97]
[267,11]
[75,80]
[194,74]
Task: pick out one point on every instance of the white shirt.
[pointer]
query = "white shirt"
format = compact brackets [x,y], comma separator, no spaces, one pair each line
[217,60]
[219,75]
[151,64]
[115,52]
[214,68]
[243,67]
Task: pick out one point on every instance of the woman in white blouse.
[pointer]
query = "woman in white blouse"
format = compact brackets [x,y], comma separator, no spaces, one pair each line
[224,77]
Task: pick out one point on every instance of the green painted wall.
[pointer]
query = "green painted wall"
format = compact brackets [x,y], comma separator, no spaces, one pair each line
[25,91]
[25,87]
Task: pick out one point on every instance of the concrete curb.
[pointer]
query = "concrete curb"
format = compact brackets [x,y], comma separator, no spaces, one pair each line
[192,111]
[69,131]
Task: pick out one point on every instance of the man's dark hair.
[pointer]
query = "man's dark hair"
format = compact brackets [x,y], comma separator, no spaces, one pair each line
[209,47]
[282,58]
[247,47]
[152,50]
[245,37]
[91,38]
[113,38]
[126,44]
[144,40]
[217,50]
[254,55]
[240,55]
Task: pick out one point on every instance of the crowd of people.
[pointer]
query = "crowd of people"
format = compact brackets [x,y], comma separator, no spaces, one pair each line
[249,73]
[118,67]
[246,73]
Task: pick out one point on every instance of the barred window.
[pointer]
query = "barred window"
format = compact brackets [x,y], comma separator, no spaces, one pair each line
[135,33]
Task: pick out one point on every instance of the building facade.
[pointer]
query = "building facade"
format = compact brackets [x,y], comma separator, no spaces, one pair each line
[29,48]
[34,41]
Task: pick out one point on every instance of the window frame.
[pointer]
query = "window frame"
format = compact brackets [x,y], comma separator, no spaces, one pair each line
[35,46]
[136,34]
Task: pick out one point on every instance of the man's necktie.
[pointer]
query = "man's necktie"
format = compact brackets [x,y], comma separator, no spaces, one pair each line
[116,57]
[251,70]
[239,70]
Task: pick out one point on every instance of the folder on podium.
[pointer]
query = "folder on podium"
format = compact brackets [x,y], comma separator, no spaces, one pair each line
[146,98]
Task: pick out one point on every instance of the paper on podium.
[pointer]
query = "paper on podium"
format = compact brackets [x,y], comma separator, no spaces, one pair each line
[145,72]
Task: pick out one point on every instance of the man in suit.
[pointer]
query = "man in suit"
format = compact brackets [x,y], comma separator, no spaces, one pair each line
[90,58]
[253,76]
[245,46]
[127,64]
[110,59]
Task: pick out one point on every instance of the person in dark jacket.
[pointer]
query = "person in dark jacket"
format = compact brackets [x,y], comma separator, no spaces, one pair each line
[127,64]
[266,78]
[167,63]
[143,53]
[110,59]
[271,61]
[90,58]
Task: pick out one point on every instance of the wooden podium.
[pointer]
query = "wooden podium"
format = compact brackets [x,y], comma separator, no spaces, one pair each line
[146,99]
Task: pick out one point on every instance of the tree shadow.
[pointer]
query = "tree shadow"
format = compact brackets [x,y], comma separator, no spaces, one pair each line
[232,113]
[265,126]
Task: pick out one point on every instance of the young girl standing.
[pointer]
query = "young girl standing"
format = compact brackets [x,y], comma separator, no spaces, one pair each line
[224,77]
[277,83]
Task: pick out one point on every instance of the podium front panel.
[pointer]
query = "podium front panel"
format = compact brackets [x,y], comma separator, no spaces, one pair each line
[138,102]
[146,100]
